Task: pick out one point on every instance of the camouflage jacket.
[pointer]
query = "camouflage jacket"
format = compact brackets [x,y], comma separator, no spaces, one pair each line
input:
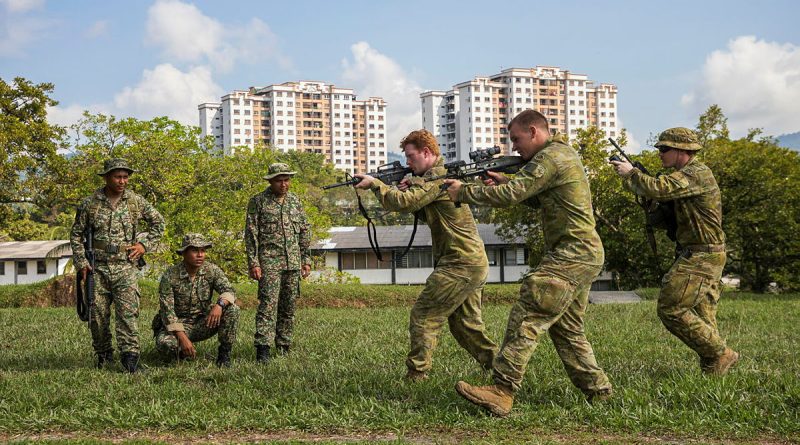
[555,181]
[114,225]
[454,234]
[181,298]
[698,203]
[277,235]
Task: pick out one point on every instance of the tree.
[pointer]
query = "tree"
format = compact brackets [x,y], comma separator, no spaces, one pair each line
[712,125]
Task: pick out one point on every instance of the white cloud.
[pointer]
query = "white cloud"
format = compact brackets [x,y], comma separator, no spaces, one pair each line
[98,29]
[18,30]
[372,73]
[185,34]
[21,5]
[757,84]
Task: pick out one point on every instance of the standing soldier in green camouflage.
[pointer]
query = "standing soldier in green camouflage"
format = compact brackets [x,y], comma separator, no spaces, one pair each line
[114,213]
[277,237]
[454,290]
[553,296]
[690,291]
[187,312]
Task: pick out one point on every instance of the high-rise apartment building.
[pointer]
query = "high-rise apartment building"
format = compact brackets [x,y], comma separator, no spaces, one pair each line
[474,114]
[308,116]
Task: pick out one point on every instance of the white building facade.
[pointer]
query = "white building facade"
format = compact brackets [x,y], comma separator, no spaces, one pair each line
[26,262]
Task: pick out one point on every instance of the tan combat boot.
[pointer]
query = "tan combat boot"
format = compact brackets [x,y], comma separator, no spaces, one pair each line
[723,363]
[416,376]
[498,399]
[600,396]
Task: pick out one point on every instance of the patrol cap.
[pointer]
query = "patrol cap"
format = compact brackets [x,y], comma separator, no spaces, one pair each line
[680,138]
[114,164]
[193,240]
[279,168]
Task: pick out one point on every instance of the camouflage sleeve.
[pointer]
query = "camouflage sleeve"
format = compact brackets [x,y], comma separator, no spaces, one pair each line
[535,176]
[305,237]
[155,223]
[677,185]
[416,197]
[76,237]
[251,233]
[222,286]
[166,299]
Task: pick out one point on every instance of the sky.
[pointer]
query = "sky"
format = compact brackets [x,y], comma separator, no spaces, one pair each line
[670,60]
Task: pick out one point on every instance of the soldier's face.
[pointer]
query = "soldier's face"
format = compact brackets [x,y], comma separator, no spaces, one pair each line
[419,161]
[117,180]
[280,184]
[194,256]
[527,140]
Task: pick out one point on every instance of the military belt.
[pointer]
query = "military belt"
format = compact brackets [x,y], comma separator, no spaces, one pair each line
[706,248]
[105,246]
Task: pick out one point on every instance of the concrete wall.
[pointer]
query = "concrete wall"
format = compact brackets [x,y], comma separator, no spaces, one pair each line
[53,268]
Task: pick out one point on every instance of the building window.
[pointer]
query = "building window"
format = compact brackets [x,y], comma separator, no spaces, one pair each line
[2,267]
[22,267]
[41,267]
[416,259]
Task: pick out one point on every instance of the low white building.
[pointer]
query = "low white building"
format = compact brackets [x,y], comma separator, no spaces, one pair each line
[23,262]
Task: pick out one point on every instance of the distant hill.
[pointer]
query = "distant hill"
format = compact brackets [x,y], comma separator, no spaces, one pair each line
[392,156]
[791,140]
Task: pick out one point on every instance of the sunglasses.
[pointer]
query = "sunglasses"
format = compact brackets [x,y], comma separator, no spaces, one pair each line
[663,150]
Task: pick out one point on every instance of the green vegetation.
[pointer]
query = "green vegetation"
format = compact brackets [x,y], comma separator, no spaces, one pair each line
[343,379]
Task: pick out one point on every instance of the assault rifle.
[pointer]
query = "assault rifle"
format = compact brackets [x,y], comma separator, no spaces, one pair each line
[84,300]
[388,173]
[658,215]
[483,161]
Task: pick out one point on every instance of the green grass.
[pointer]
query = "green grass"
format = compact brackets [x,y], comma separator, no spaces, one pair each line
[343,380]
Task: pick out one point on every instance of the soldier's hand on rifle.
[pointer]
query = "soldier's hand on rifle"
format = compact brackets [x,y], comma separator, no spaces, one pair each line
[453,186]
[212,321]
[255,273]
[135,251]
[404,184]
[305,271]
[623,168]
[85,271]
[185,345]
[495,178]
[366,181]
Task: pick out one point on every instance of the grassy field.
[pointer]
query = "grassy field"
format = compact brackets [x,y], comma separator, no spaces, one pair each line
[343,382]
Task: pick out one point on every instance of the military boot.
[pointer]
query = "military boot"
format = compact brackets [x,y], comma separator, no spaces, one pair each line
[224,356]
[723,363]
[130,361]
[603,395]
[498,399]
[282,349]
[262,354]
[415,376]
[104,358]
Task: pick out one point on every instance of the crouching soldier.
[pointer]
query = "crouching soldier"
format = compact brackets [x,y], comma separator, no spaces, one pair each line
[187,313]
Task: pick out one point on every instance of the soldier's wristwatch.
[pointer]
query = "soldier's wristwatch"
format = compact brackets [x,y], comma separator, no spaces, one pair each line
[221,303]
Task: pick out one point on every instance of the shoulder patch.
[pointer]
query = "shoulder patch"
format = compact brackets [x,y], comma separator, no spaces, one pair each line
[539,157]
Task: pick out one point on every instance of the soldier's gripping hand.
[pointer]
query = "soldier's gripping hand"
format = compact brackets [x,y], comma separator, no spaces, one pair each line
[84,272]
[366,181]
[255,273]
[186,346]
[404,184]
[453,187]
[305,271]
[623,168]
[135,251]
[212,321]
[495,178]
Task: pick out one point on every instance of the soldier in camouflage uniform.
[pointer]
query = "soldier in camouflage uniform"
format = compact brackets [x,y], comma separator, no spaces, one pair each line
[553,296]
[453,292]
[187,312]
[114,213]
[690,291]
[277,237]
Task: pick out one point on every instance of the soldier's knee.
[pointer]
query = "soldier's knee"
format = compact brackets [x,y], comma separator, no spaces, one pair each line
[232,311]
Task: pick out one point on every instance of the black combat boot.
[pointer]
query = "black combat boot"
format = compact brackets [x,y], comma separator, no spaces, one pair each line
[282,349]
[104,358]
[262,354]
[224,356]
[130,361]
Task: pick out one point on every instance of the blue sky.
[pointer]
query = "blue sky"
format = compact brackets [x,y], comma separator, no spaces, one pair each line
[670,60]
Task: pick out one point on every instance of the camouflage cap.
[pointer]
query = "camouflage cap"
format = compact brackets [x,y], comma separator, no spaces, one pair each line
[193,240]
[115,164]
[279,168]
[680,138]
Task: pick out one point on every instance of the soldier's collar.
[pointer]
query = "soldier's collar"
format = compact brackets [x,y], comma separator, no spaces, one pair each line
[185,273]
[435,168]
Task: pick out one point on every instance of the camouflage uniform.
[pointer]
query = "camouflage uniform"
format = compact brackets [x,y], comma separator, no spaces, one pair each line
[554,295]
[690,291]
[115,275]
[454,290]
[185,303]
[277,237]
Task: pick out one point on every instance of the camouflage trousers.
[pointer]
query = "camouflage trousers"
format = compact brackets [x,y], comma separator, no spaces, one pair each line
[197,331]
[116,284]
[277,292]
[452,294]
[553,299]
[687,304]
